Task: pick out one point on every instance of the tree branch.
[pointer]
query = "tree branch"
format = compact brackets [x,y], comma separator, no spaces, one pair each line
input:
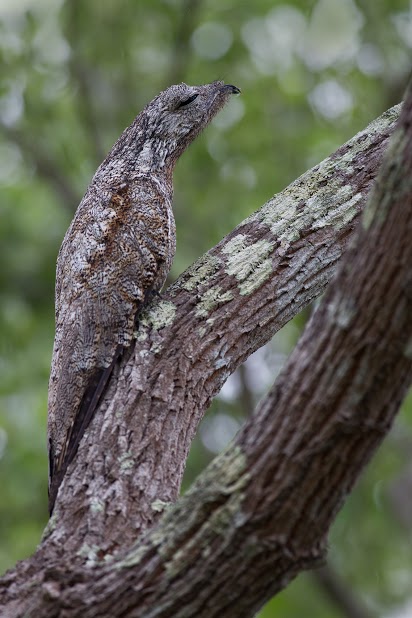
[260,513]
[220,311]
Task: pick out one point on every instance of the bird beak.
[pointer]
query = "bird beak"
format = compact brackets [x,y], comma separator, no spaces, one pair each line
[233,89]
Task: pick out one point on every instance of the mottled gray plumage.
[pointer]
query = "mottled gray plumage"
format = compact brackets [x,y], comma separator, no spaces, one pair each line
[118,249]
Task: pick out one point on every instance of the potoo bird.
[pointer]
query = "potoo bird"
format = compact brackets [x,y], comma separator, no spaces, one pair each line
[117,251]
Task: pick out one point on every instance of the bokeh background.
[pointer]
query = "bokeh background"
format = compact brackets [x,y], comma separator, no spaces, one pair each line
[73,75]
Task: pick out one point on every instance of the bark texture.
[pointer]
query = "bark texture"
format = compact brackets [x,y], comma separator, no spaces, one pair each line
[260,513]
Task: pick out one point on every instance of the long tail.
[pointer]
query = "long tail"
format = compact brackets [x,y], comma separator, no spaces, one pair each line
[87,408]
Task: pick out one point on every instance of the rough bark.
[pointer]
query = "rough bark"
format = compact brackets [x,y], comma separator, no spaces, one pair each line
[260,513]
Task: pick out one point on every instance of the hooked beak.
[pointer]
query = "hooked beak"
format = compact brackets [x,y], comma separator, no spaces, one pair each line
[233,89]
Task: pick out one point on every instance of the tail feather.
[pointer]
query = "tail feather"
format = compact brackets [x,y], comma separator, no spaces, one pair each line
[93,393]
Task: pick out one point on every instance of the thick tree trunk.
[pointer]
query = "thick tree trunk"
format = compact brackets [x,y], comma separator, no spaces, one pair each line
[261,511]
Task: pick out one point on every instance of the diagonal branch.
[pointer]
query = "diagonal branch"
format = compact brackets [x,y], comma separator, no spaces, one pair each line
[221,310]
[260,513]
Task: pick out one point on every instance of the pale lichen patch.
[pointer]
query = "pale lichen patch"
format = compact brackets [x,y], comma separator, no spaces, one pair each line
[90,553]
[342,213]
[211,299]
[232,463]
[250,264]
[127,462]
[202,270]
[159,315]
[140,335]
[226,476]
[260,274]
[235,245]
[160,505]
[96,505]
[350,211]
[280,214]
[202,331]
[155,317]
[156,347]
[291,234]
[324,193]
[342,312]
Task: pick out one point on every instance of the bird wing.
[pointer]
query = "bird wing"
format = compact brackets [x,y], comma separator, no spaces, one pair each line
[116,251]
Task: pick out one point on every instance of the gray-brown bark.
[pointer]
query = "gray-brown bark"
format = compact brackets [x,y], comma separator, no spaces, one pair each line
[260,513]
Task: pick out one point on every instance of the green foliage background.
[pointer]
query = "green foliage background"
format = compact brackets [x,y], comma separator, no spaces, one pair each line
[73,75]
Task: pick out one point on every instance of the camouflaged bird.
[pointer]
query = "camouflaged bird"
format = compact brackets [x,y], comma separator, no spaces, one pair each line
[117,251]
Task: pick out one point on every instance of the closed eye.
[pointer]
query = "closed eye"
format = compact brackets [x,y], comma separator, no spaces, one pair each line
[187,101]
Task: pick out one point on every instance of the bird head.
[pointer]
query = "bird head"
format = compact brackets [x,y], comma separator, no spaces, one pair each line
[175,117]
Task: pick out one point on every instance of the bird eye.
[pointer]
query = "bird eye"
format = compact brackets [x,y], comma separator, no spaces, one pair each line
[187,101]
